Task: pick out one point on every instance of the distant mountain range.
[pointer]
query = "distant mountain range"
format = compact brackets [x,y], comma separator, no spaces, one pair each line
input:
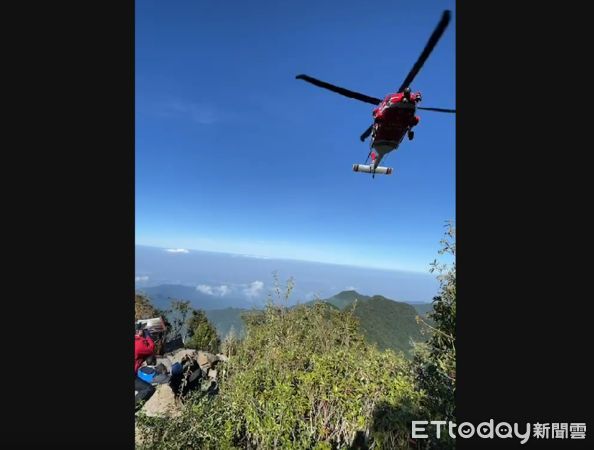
[387,323]
[226,319]
[162,295]
[384,322]
[231,278]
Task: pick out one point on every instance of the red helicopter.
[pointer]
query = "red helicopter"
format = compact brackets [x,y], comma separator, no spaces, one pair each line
[394,116]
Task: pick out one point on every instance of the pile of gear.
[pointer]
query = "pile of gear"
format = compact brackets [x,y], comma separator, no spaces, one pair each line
[163,379]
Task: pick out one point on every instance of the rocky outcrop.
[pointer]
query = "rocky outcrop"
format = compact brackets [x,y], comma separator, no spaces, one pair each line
[163,403]
[199,372]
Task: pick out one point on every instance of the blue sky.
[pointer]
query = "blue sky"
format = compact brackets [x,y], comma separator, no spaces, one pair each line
[235,155]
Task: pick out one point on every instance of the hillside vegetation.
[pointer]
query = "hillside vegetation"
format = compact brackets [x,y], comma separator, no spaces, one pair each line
[388,324]
[302,378]
[227,319]
[143,309]
[305,377]
[384,322]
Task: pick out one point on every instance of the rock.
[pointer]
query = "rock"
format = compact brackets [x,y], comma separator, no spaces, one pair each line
[178,355]
[162,403]
[205,360]
[222,357]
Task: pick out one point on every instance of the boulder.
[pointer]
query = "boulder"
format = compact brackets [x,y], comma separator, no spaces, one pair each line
[179,355]
[205,359]
[162,403]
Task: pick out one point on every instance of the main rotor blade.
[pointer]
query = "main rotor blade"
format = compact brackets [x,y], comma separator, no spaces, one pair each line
[438,109]
[437,33]
[339,90]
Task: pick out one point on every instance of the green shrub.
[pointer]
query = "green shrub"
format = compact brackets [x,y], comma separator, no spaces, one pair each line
[435,361]
[303,378]
[201,334]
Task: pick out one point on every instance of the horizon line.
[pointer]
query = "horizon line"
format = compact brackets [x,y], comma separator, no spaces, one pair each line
[416,272]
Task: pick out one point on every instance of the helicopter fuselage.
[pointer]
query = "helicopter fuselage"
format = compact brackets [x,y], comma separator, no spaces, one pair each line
[393,119]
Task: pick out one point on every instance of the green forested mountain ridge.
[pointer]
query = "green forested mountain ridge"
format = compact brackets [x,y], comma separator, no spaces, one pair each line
[384,322]
[227,319]
[423,308]
[344,298]
[387,323]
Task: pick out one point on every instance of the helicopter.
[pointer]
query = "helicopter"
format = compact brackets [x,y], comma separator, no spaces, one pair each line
[394,116]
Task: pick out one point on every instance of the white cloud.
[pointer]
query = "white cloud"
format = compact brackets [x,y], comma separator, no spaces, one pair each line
[177,250]
[205,289]
[254,289]
[141,278]
[253,256]
[350,288]
[224,290]
[218,291]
